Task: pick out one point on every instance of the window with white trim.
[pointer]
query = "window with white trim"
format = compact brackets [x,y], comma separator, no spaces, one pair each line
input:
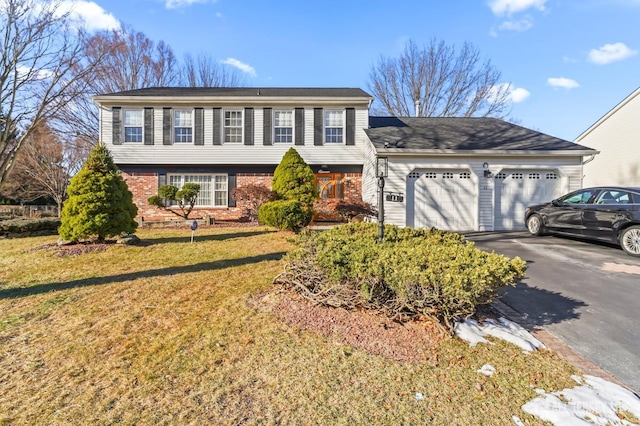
[333,126]
[233,126]
[133,128]
[283,126]
[183,126]
[213,188]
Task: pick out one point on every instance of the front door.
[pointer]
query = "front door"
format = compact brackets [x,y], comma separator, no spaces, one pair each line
[330,187]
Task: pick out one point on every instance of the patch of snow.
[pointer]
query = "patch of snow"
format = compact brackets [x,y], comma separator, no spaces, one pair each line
[517,421]
[469,330]
[474,333]
[595,401]
[487,370]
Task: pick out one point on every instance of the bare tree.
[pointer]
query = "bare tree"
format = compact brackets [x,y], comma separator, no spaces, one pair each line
[437,81]
[123,59]
[204,71]
[40,71]
[44,166]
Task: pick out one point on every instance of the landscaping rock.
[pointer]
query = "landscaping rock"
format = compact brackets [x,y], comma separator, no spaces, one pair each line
[129,240]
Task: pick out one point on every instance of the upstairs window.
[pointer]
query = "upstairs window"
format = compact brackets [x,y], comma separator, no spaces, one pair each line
[183,126]
[233,126]
[333,126]
[283,127]
[133,125]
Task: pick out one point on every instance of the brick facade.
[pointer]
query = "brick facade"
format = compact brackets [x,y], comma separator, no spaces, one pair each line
[145,184]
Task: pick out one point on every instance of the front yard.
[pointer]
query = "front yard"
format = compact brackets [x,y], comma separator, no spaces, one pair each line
[173,332]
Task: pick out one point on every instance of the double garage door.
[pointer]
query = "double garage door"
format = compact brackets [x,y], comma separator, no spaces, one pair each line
[449,199]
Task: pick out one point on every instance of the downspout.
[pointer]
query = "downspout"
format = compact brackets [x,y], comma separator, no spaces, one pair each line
[593,156]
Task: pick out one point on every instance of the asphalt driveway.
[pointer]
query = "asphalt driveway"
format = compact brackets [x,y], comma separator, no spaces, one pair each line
[586,294]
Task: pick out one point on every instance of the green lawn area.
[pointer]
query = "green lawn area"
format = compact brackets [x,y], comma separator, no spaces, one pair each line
[165,333]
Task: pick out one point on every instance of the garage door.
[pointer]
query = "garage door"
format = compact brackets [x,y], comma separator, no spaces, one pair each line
[517,189]
[445,200]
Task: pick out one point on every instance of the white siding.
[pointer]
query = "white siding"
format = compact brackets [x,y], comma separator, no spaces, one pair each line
[569,169]
[617,137]
[106,125]
[257,154]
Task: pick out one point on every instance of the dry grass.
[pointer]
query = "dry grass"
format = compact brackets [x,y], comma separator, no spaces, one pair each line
[169,333]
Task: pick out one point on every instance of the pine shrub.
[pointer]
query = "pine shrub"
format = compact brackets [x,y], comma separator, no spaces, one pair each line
[99,203]
[293,179]
[284,214]
[414,272]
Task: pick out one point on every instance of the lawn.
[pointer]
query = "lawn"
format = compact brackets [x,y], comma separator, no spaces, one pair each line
[169,333]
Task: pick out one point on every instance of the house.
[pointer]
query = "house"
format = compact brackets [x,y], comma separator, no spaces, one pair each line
[450,173]
[617,136]
[227,137]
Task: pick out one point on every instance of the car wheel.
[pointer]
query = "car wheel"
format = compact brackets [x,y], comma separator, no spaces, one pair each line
[534,225]
[630,240]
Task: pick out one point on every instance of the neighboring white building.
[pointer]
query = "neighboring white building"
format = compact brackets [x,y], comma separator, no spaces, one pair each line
[460,174]
[617,136]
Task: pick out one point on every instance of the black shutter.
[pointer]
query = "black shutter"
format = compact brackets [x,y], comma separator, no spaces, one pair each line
[166,126]
[116,126]
[299,123]
[351,126]
[318,126]
[148,126]
[162,180]
[231,184]
[217,126]
[268,127]
[248,126]
[198,121]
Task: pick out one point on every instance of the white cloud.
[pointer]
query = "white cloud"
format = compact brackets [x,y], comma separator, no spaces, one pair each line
[610,53]
[176,4]
[240,65]
[565,83]
[519,25]
[513,94]
[509,7]
[518,94]
[25,73]
[90,15]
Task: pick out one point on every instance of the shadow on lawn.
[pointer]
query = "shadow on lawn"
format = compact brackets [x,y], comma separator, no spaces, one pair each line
[13,293]
[197,237]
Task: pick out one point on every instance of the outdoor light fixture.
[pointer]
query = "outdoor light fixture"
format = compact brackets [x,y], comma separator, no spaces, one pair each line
[382,167]
[382,171]
[487,172]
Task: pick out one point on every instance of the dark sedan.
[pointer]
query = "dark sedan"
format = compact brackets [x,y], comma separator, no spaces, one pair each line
[609,214]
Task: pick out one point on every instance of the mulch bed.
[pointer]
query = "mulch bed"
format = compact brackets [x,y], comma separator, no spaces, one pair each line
[364,330]
[73,249]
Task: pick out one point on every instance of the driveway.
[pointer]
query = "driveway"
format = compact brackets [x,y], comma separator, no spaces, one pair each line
[586,294]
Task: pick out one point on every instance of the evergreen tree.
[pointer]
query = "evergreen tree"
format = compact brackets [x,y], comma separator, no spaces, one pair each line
[100,204]
[293,179]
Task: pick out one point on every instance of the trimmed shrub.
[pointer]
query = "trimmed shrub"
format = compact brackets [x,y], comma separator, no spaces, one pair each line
[348,211]
[185,197]
[293,179]
[100,204]
[414,272]
[284,214]
[28,227]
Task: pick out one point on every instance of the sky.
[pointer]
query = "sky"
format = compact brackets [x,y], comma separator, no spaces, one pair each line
[567,62]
